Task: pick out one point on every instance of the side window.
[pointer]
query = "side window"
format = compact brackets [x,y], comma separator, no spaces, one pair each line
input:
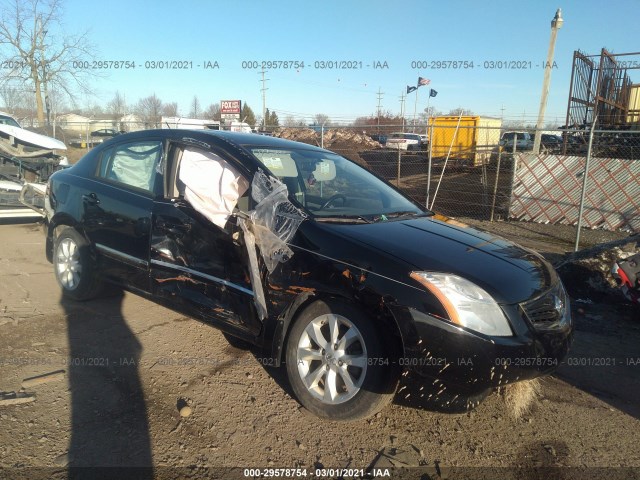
[132,164]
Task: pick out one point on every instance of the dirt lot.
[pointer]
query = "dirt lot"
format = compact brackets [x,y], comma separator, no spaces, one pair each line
[130,365]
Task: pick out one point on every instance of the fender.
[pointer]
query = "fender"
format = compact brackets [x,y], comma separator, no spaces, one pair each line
[61,219]
[277,331]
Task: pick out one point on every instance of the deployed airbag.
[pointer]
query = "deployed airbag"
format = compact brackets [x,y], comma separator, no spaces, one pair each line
[212,186]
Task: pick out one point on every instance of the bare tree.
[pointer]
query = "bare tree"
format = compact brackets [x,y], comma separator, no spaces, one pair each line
[213,112]
[117,107]
[460,111]
[149,110]
[289,121]
[322,119]
[93,110]
[170,109]
[30,36]
[13,99]
[195,111]
[384,122]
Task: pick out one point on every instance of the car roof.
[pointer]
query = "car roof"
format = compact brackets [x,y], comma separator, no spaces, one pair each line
[235,138]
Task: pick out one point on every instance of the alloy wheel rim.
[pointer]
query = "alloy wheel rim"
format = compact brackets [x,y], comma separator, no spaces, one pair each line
[332,359]
[68,266]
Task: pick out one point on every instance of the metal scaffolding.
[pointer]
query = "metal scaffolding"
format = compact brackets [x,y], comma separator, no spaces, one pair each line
[599,89]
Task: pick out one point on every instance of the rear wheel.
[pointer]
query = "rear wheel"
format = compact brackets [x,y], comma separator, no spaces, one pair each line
[73,266]
[336,363]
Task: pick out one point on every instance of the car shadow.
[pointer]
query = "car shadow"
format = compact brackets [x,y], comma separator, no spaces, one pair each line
[109,426]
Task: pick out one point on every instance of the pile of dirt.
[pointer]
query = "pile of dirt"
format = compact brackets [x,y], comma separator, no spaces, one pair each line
[343,137]
[349,139]
[304,135]
[343,141]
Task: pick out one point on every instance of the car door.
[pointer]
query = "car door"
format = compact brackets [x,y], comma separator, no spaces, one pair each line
[200,266]
[116,210]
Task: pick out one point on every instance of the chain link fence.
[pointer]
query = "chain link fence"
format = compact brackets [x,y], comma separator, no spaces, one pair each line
[464,167]
[491,173]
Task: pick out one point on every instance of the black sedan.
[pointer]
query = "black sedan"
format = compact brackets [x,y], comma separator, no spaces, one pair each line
[312,258]
[105,132]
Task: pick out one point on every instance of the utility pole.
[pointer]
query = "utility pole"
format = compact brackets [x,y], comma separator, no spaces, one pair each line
[402,99]
[43,64]
[556,24]
[264,98]
[380,94]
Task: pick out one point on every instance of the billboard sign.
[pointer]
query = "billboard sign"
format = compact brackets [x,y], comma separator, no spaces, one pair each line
[230,107]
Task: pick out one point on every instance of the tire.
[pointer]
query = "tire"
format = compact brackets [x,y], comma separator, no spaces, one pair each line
[74,266]
[322,380]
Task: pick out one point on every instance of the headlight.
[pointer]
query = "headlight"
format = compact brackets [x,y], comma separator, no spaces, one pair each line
[466,303]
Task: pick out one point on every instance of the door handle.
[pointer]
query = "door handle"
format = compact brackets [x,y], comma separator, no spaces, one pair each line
[91,199]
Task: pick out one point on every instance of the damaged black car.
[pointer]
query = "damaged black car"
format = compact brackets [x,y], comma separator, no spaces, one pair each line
[322,265]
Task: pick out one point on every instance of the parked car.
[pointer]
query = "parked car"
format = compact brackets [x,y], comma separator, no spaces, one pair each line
[6,119]
[105,132]
[551,143]
[524,141]
[403,141]
[378,137]
[351,283]
[25,157]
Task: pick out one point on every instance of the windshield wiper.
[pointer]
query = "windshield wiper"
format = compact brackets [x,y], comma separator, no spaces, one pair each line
[343,218]
[406,213]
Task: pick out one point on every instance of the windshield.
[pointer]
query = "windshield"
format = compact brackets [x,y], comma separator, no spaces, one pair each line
[330,186]
[5,120]
[508,136]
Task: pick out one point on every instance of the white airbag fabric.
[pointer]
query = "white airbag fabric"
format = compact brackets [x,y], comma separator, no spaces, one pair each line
[212,186]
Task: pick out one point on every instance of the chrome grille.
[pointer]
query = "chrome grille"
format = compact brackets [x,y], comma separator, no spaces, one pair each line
[549,310]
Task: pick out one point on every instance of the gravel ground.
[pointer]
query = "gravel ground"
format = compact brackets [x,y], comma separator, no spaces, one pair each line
[131,367]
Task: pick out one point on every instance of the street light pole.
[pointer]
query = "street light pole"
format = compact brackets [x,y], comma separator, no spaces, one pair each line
[556,24]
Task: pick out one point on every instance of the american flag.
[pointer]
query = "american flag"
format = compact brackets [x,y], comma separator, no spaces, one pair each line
[423,81]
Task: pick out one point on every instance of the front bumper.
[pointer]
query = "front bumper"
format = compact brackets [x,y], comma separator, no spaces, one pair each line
[471,363]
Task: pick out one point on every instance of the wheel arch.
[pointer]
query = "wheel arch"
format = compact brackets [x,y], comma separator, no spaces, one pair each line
[383,316]
[55,226]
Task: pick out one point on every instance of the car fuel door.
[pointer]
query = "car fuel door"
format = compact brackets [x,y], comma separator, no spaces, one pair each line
[200,267]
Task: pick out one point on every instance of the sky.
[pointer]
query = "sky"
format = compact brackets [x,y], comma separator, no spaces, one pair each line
[364,34]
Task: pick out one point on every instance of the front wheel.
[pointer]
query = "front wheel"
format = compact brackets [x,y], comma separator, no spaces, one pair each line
[336,363]
[73,266]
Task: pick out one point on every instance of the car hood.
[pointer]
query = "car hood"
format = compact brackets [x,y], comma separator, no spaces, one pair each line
[509,272]
[32,139]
